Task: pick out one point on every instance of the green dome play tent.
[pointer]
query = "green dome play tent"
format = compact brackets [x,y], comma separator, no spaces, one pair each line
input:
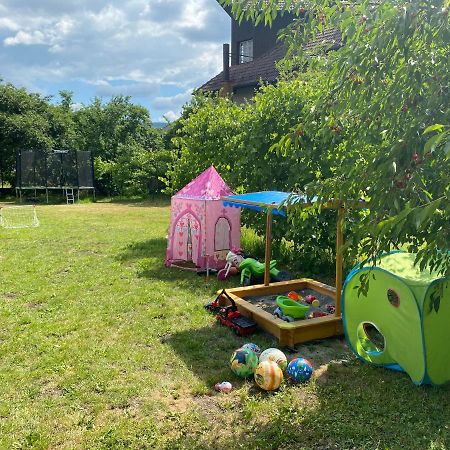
[404,321]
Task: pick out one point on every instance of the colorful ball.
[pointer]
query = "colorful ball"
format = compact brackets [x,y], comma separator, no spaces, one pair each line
[253,347]
[268,375]
[300,370]
[243,362]
[275,355]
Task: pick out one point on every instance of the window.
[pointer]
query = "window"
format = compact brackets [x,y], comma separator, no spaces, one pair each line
[246,51]
[222,238]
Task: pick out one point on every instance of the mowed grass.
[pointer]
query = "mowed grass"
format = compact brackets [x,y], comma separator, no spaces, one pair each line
[102,347]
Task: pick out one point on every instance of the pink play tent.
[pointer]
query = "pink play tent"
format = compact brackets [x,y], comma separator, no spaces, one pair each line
[202,230]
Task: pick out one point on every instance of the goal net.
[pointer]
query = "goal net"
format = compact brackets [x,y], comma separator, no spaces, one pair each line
[18,217]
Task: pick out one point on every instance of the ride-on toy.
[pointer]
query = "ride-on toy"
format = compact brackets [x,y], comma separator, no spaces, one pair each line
[230,317]
[234,259]
[251,268]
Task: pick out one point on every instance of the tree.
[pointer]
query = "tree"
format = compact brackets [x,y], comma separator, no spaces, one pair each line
[240,141]
[24,123]
[386,93]
[128,152]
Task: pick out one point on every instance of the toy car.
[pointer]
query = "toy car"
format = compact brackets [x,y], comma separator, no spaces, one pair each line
[230,317]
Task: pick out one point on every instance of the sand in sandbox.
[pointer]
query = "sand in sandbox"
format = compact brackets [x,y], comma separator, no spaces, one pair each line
[269,302]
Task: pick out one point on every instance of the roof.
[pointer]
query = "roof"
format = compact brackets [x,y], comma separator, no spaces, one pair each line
[251,73]
[209,185]
[263,69]
[275,201]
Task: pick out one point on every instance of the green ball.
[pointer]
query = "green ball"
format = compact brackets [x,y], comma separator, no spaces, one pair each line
[244,362]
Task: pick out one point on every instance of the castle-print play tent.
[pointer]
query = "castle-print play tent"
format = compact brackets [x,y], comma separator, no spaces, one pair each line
[202,230]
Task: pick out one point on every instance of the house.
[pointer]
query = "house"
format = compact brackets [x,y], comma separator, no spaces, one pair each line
[252,57]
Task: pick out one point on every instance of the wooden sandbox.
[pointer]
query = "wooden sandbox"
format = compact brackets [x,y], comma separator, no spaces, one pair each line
[288,333]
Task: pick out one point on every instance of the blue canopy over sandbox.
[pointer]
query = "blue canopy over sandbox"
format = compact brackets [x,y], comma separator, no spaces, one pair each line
[274,201]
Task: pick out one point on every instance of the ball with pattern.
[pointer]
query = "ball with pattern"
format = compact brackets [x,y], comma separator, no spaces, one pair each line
[268,375]
[299,370]
[275,355]
[253,347]
[243,362]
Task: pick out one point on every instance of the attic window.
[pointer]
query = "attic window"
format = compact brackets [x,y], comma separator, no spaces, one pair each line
[246,51]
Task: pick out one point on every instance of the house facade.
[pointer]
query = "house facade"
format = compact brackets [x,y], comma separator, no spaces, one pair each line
[250,58]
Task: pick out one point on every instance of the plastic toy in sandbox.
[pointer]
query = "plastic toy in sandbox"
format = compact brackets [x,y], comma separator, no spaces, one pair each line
[402,323]
[267,370]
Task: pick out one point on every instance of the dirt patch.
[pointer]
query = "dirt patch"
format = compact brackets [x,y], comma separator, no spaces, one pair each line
[88,252]
[10,295]
[34,305]
[51,389]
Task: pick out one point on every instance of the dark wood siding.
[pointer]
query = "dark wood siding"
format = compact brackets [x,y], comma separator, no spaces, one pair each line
[264,37]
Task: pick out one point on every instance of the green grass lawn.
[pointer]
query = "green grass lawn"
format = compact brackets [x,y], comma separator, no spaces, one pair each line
[103,347]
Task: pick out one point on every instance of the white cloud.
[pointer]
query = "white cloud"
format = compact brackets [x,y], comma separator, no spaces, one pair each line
[8,24]
[26,38]
[174,102]
[170,116]
[137,47]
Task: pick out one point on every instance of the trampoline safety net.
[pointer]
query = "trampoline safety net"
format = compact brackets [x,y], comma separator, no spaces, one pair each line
[57,169]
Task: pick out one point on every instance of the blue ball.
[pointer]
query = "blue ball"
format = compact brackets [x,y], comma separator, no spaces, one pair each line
[253,347]
[299,370]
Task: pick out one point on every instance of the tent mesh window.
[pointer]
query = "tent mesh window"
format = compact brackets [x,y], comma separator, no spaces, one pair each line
[393,297]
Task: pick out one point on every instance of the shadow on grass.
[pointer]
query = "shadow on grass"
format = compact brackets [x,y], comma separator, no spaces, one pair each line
[148,257]
[353,406]
[151,248]
[157,201]
[206,351]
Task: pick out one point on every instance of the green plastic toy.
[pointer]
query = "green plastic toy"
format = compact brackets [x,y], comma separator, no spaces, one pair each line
[251,268]
[292,308]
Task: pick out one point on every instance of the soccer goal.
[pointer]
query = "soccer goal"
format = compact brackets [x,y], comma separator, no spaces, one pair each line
[18,217]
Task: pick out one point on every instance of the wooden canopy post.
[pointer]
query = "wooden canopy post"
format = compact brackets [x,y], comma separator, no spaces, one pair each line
[268,247]
[339,258]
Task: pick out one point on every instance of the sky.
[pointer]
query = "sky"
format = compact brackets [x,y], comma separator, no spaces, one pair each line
[156,51]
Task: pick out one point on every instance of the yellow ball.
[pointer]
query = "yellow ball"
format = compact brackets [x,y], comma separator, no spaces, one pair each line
[276,355]
[268,375]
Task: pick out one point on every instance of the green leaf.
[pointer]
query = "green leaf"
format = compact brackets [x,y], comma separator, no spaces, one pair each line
[447,150]
[433,142]
[436,127]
